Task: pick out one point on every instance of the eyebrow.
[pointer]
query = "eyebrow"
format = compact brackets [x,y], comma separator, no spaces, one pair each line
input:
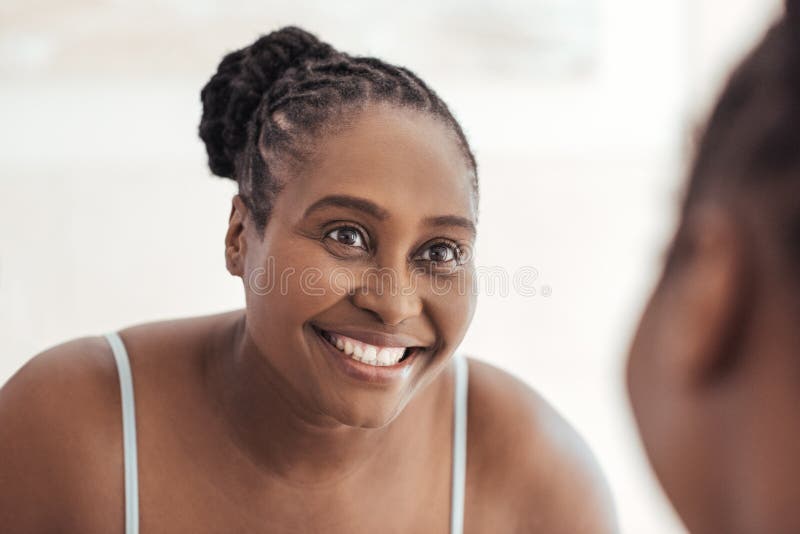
[347,201]
[372,209]
[452,220]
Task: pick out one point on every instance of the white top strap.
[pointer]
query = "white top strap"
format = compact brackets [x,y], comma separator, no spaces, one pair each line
[128,433]
[459,445]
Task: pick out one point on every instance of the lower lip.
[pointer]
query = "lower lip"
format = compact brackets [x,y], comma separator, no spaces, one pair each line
[373,374]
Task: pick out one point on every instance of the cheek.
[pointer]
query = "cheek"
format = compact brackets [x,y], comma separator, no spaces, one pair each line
[663,413]
[644,388]
[451,303]
[286,285]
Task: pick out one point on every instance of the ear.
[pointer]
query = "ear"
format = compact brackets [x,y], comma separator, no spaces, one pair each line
[706,297]
[235,238]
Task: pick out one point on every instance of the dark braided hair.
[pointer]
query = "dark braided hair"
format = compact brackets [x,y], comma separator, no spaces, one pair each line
[269,100]
[751,142]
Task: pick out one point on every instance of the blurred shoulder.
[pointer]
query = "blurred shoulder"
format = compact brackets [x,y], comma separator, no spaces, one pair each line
[533,466]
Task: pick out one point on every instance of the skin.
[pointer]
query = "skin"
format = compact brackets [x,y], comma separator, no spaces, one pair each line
[243,423]
[713,373]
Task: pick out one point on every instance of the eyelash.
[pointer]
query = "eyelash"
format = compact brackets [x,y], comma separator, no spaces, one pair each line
[456,249]
[361,232]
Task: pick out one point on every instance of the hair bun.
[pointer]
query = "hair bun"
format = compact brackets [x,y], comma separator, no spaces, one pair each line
[234,92]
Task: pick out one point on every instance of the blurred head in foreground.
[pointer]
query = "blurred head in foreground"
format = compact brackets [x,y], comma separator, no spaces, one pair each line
[714,369]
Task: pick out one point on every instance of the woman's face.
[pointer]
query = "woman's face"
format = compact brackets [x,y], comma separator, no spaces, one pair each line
[349,256]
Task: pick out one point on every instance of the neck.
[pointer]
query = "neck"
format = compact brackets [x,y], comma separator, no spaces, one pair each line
[284,439]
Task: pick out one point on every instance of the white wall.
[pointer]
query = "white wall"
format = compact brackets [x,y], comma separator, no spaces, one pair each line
[108,215]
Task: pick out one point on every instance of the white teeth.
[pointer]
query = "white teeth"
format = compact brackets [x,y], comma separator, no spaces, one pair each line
[366,353]
[370,354]
[386,357]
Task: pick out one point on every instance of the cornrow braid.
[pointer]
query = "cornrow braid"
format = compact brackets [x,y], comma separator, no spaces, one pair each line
[268,101]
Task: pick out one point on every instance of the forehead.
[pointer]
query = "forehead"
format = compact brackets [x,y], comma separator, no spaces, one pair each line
[406,161]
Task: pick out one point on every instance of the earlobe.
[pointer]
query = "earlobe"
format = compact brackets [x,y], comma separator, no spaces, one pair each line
[235,242]
[709,297]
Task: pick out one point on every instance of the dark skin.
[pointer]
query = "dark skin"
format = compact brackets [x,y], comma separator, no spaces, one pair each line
[713,370]
[245,426]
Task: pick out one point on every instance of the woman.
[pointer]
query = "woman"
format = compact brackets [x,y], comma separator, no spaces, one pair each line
[333,402]
[713,370]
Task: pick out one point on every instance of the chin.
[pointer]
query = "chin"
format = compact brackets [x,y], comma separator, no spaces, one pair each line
[374,414]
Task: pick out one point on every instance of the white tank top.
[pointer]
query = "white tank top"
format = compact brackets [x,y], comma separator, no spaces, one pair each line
[459,458]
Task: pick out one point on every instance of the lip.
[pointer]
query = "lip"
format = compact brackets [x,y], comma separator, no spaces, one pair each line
[379,339]
[372,374]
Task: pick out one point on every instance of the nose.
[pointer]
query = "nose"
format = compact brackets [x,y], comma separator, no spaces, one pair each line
[392,298]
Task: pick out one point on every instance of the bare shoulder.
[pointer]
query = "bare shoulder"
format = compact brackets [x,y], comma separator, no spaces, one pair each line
[531,470]
[58,423]
[61,457]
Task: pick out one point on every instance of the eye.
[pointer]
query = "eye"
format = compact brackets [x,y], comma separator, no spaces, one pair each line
[441,253]
[348,236]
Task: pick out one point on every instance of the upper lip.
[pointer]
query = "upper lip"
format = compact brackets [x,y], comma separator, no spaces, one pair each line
[374,337]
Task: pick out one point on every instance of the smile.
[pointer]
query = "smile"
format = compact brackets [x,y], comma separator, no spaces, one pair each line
[376,355]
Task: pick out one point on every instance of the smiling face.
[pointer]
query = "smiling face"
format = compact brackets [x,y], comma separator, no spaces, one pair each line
[368,246]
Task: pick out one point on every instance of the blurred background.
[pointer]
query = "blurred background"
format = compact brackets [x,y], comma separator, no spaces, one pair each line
[580,112]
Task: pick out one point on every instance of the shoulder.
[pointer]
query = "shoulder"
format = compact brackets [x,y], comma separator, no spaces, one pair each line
[533,467]
[57,415]
[61,457]
[60,379]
